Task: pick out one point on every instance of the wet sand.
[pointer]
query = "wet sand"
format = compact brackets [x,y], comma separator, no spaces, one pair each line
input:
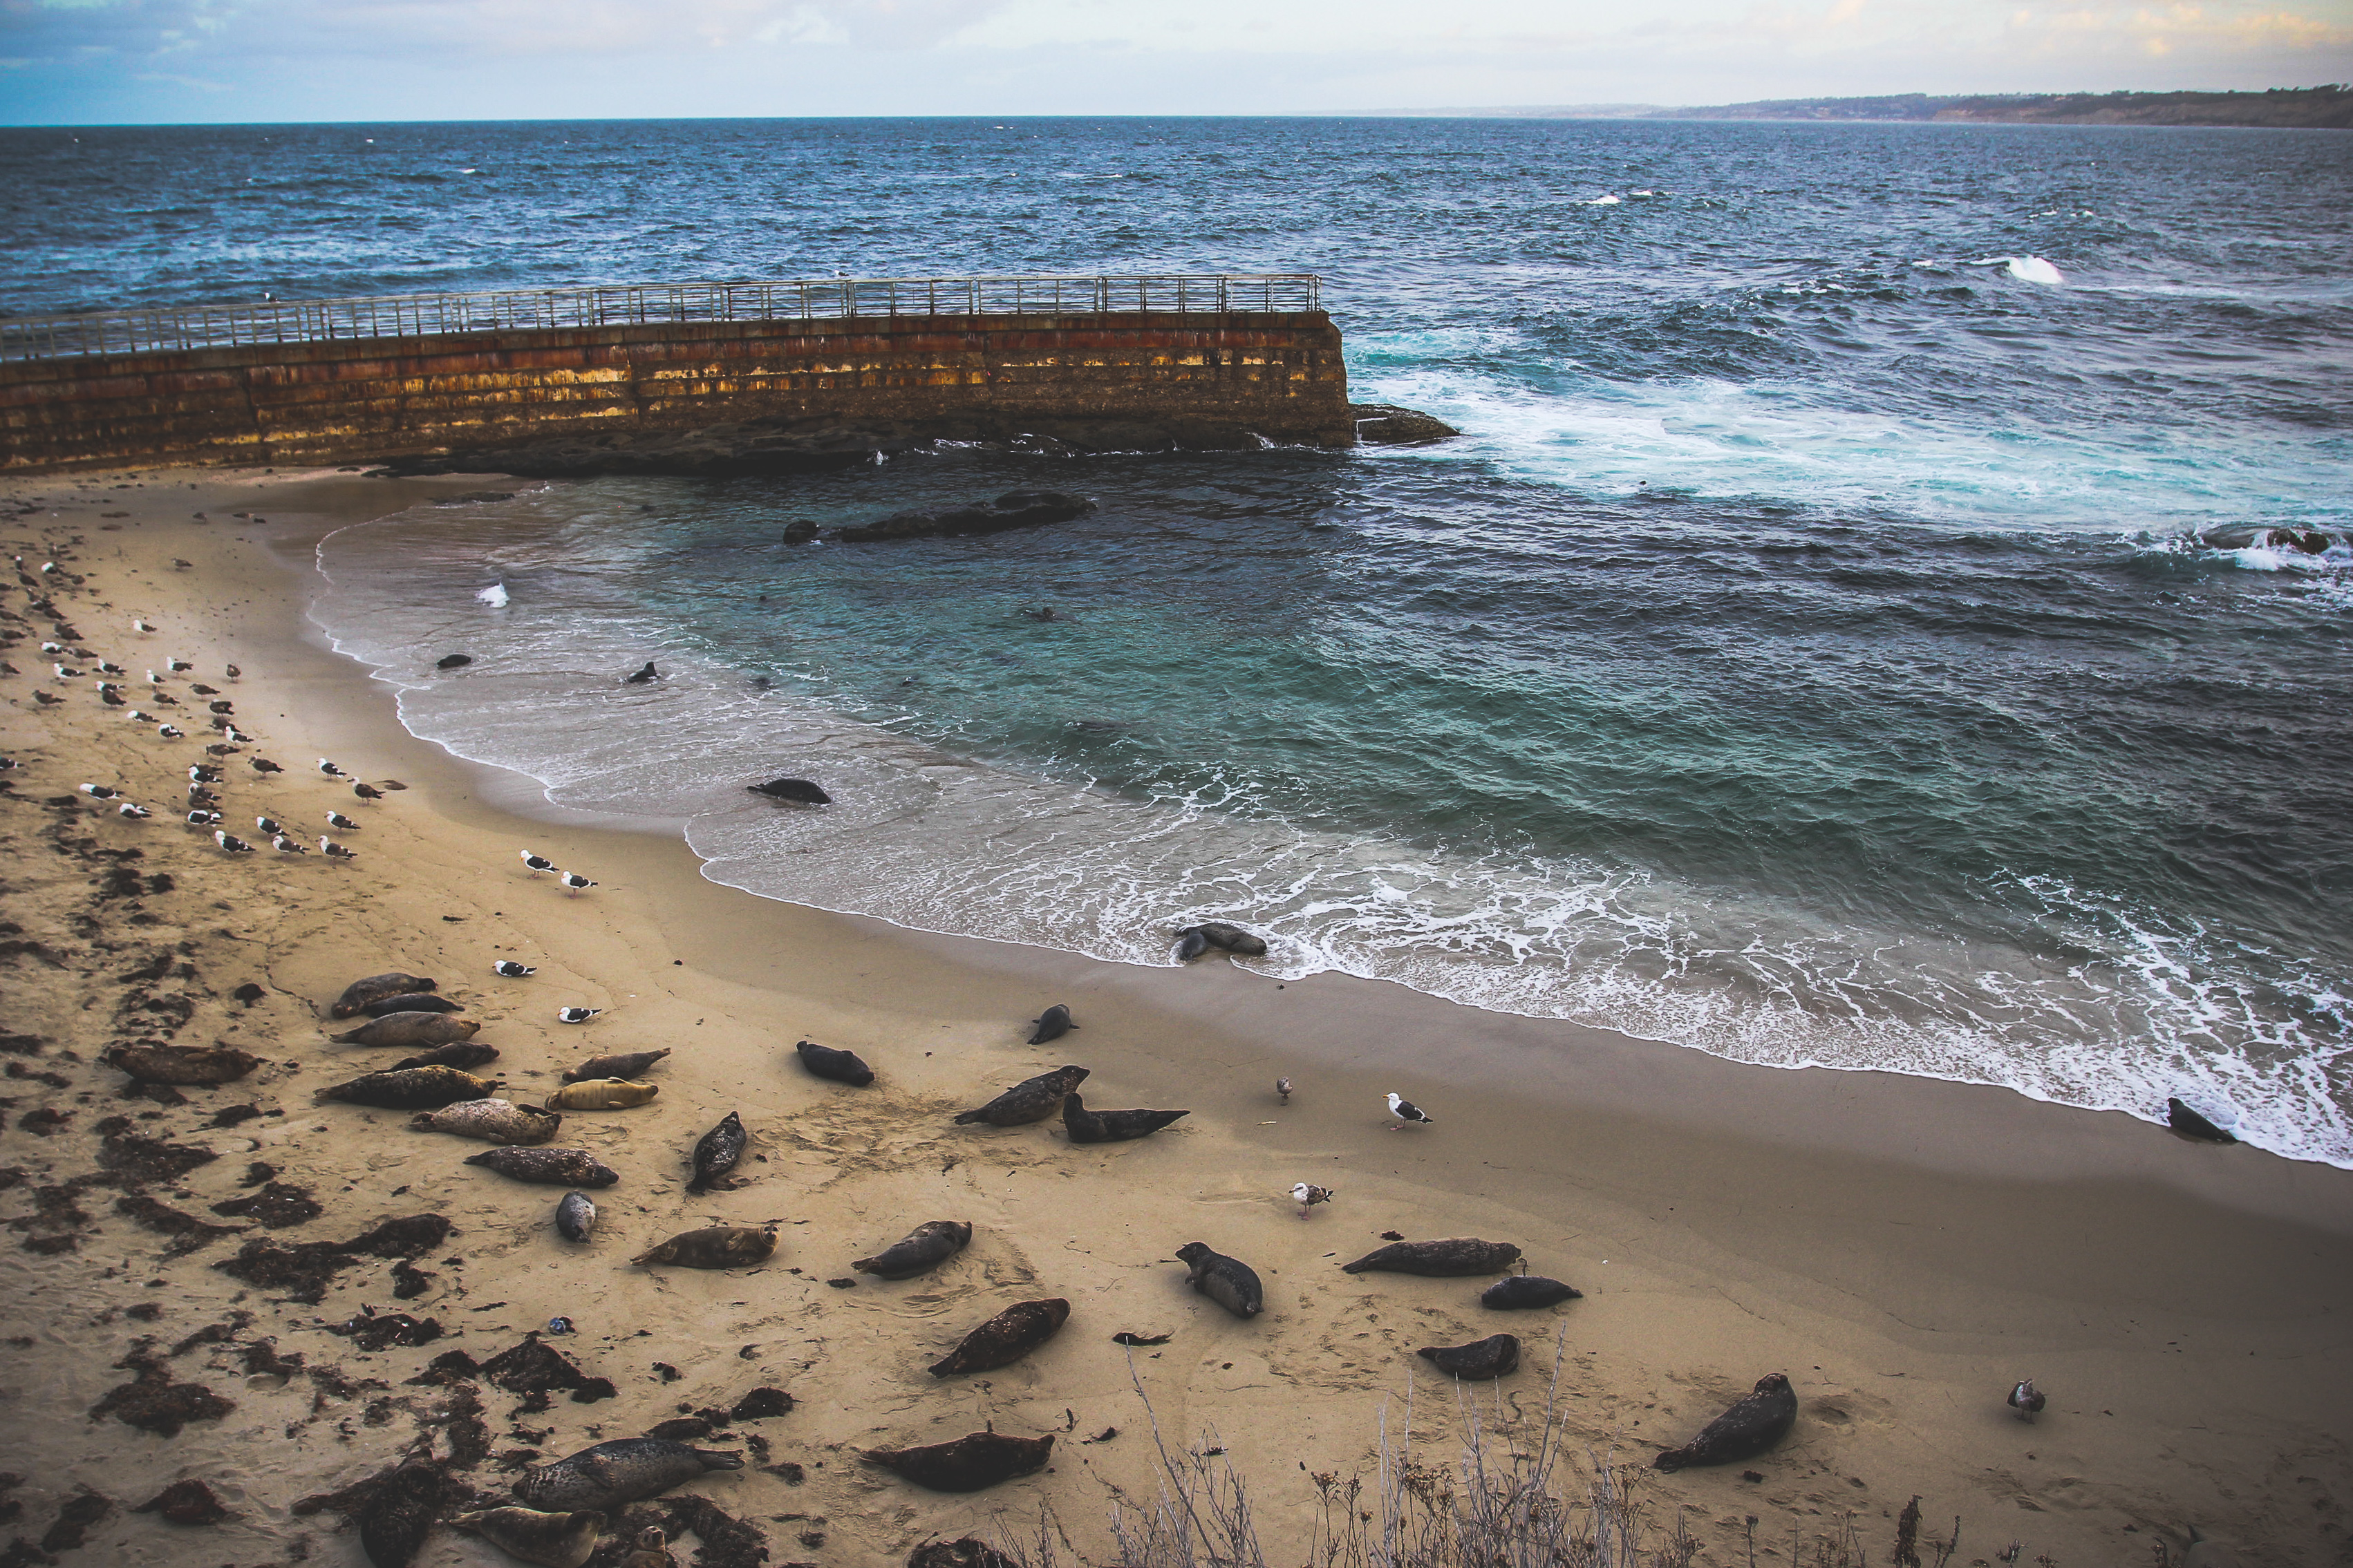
[1904,1249]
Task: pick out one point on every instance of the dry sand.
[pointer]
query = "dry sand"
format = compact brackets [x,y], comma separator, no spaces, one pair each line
[1902,1249]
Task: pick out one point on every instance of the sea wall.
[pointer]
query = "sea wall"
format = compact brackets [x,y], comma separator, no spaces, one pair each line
[810,387]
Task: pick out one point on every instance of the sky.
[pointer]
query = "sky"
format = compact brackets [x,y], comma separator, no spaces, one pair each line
[180,61]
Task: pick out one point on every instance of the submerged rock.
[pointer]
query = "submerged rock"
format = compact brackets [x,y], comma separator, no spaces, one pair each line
[1015,509]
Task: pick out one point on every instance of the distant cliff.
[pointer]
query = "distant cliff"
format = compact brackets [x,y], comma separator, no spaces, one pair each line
[2319,107]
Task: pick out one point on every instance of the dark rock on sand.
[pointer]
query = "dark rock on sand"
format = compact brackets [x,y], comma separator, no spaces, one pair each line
[373,1331]
[74,1520]
[185,1502]
[1015,509]
[963,1552]
[153,1403]
[181,1064]
[535,1366]
[977,1460]
[303,1270]
[276,1206]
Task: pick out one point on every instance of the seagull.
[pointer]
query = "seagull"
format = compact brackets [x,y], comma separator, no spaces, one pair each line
[1406,1110]
[234,733]
[201,690]
[199,796]
[2027,1400]
[141,627]
[1307,1195]
[140,716]
[134,813]
[106,668]
[177,665]
[231,671]
[180,565]
[337,819]
[48,568]
[330,769]
[267,824]
[166,698]
[8,764]
[575,1014]
[203,819]
[230,842]
[1282,1088]
[203,772]
[507,969]
[264,765]
[220,751]
[153,679]
[99,792]
[46,700]
[53,647]
[112,697]
[223,708]
[334,850]
[65,674]
[366,792]
[170,731]
[536,862]
[575,882]
[286,845]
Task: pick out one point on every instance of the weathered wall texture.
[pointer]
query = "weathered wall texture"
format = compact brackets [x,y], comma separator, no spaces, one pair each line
[1278,375]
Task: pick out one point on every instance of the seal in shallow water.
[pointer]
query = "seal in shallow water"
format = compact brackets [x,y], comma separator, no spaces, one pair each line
[1743,1432]
[1005,1337]
[551,1539]
[558,1167]
[2190,1124]
[611,1474]
[975,1460]
[1440,1260]
[1229,1281]
[1031,1099]
[1478,1362]
[926,1246]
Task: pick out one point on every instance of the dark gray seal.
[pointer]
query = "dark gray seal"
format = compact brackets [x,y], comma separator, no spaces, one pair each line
[717,1152]
[972,1462]
[183,1064]
[1052,1024]
[1478,1362]
[360,992]
[413,1002]
[926,1246]
[839,1066]
[1439,1259]
[411,1089]
[1190,945]
[1743,1432]
[713,1247]
[800,792]
[1522,1292]
[576,1217]
[626,1064]
[1005,1337]
[1086,1126]
[644,675]
[1229,938]
[1229,1281]
[2190,1124]
[397,1516]
[1031,1099]
[410,1031]
[555,1167]
[622,1471]
[463,1055]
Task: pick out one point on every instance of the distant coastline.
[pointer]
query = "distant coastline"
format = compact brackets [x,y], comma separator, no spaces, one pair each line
[2328,108]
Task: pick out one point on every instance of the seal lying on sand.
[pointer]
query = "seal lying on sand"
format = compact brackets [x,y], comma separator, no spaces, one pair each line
[1439,1259]
[1229,1281]
[717,1152]
[181,1064]
[1086,1126]
[841,1067]
[1005,1337]
[926,1246]
[628,1064]
[1521,1292]
[1031,1099]
[558,1167]
[715,1246]
[1052,1024]
[970,1463]
[576,1217]
[491,1121]
[411,1089]
[602,1094]
[360,992]
[1477,1361]
[1743,1432]
[622,1471]
[413,1002]
[551,1539]
[395,1520]
[463,1055]
[410,1030]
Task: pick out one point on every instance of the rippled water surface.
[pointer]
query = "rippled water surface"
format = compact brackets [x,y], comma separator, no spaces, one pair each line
[1835,638]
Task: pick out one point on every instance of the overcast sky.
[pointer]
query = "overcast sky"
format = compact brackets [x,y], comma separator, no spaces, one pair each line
[114,61]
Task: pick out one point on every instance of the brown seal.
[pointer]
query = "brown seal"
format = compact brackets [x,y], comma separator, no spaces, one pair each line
[360,992]
[181,1064]
[558,1167]
[717,1152]
[628,1064]
[602,1094]
[463,1055]
[715,1246]
[1031,1099]
[1086,1126]
[1441,1259]
[1229,1281]
[1477,1361]
[1743,1432]
[412,1002]
[410,1030]
[1519,1292]
[928,1246]
[551,1540]
[1005,1337]
[411,1089]
[972,1462]
[491,1121]
[621,1471]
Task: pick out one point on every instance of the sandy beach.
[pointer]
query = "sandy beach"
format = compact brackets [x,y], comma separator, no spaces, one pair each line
[1904,1249]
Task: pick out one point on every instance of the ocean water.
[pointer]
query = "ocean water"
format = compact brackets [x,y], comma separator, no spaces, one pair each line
[1834,640]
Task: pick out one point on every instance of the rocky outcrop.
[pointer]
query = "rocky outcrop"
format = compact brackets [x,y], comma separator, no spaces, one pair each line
[1015,509]
[1386,425]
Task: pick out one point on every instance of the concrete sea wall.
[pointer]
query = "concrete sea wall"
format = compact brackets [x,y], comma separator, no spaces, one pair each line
[1147,378]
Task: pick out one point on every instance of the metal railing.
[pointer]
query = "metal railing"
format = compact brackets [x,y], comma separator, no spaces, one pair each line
[596,305]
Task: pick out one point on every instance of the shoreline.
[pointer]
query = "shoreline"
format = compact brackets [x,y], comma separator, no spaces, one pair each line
[1927,1239]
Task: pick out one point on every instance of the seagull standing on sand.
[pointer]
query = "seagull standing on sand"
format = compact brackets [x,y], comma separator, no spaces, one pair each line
[507,969]
[1406,1110]
[366,792]
[230,842]
[171,731]
[334,851]
[1307,1195]
[2027,1400]
[574,882]
[286,845]
[332,771]
[264,765]
[267,824]
[178,665]
[141,627]
[536,862]
[337,819]
[1282,1088]
[575,1014]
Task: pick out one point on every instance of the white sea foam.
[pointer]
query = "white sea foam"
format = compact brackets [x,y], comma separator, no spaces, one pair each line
[495,597]
[2025,268]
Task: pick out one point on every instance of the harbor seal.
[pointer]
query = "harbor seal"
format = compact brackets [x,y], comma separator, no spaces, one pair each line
[1190,945]
[1439,1259]
[412,1002]
[1233,939]
[463,1055]
[841,1067]
[2190,1124]
[187,1065]
[717,1152]
[1521,1292]
[411,1089]
[410,1030]
[799,791]
[1052,1024]
[602,1094]
[360,992]
[1031,1099]
[1086,1126]
[1481,1361]
[396,1518]
[605,1477]
[714,1246]
[926,1246]
[652,1550]
[492,1120]
[1229,1281]
[1743,1432]
[626,1064]
[1005,1337]
[551,1539]
[576,1217]
[970,1463]
[556,1167]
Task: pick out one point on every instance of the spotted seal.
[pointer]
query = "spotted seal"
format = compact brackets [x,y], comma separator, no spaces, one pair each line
[556,1167]
[1005,1337]
[713,1247]
[626,1064]
[492,1120]
[410,1089]
[410,1030]
[551,1539]
[576,1217]
[186,1065]
[717,1152]
[360,992]
[608,1475]
[926,1246]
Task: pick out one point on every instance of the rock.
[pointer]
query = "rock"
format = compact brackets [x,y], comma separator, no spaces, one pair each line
[185,1502]
[1015,509]
[1386,425]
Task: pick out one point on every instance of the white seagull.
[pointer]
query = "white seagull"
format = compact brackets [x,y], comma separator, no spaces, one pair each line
[133,812]
[1406,1110]
[507,969]
[230,842]
[575,882]
[1307,1195]
[335,851]
[575,1014]
[536,862]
